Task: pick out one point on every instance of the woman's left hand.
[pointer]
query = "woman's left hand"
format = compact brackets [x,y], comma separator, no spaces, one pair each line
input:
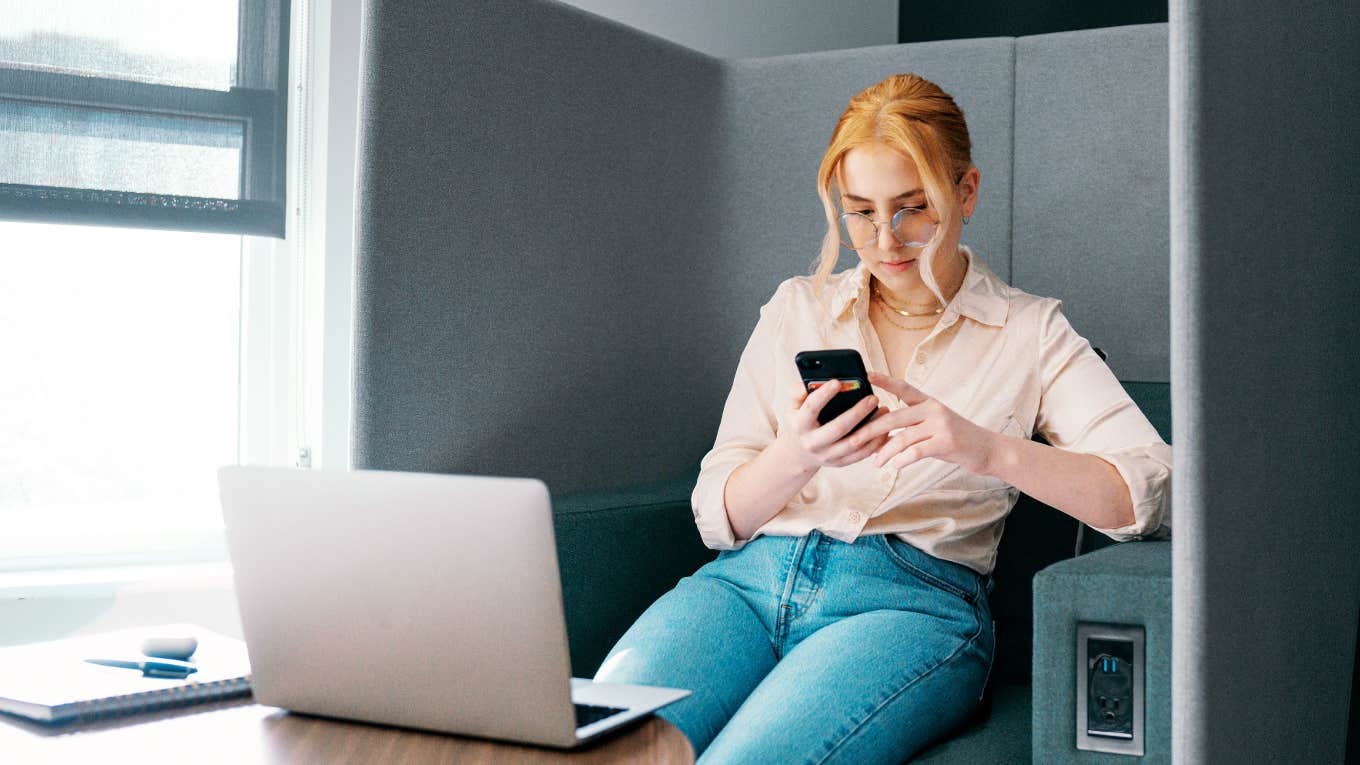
[928,429]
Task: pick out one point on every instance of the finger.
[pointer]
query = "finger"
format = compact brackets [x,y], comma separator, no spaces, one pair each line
[848,454]
[865,434]
[800,412]
[835,430]
[914,453]
[807,404]
[870,449]
[850,445]
[893,420]
[826,391]
[899,443]
[882,421]
[817,400]
[904,390]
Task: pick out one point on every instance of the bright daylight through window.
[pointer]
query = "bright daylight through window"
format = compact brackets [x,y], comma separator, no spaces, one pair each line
[149,123]
[120,396]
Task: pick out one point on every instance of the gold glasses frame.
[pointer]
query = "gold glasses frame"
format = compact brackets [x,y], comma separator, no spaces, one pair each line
[844,218]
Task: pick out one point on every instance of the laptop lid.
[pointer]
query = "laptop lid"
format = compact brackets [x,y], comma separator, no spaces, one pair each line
[414,599]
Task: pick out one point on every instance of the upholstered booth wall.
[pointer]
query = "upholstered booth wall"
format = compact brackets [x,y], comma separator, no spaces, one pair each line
[778,116]
[1265,221]
[537,232]
[566,227]
[1090,198]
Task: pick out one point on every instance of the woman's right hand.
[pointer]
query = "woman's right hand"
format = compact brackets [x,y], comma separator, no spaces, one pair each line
[815,445]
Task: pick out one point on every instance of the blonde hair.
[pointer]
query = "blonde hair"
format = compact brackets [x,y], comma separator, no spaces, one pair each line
[912,115]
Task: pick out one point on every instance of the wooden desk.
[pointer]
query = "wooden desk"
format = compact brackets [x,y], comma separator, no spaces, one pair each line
[241,731]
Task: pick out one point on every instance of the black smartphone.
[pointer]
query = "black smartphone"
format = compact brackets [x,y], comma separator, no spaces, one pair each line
[844,364]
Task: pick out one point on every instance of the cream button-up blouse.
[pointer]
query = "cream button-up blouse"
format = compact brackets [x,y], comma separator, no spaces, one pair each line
[1001,357]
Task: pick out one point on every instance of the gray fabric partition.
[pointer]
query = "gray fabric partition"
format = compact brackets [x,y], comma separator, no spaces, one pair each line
[1264,224]
[1091,215]
[553,209]
[567,227]
[535,203]
[778,115]
[550,209]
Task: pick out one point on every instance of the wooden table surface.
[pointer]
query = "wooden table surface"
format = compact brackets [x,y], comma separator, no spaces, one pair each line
[242,731]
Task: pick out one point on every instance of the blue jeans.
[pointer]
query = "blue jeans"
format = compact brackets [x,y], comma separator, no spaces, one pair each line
[811,650]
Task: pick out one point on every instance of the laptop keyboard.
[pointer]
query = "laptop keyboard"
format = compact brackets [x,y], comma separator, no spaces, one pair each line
[589,713]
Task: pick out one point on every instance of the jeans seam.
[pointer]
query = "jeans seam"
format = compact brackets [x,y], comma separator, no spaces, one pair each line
[929,578]
[899,692]
[792,564]
[991,660]
[741,595]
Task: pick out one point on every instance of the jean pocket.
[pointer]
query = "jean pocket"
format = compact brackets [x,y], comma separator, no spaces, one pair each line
[889,541]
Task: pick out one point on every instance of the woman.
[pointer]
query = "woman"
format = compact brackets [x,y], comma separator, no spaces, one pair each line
[846,617]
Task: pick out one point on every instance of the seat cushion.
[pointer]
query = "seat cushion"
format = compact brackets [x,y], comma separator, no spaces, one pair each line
[1001,735]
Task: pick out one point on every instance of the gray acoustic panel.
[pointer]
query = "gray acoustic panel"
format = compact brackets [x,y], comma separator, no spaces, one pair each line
[1265,220]
[535,221]
[552,250]
[1091,212]
[566,228]
[778,115]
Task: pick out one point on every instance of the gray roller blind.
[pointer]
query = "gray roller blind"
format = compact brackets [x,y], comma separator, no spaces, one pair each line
[148,113]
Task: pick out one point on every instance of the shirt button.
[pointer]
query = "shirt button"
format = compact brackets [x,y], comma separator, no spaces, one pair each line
[854,517]
[920,357]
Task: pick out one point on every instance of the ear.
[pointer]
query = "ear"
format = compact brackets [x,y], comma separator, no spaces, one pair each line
[968,189]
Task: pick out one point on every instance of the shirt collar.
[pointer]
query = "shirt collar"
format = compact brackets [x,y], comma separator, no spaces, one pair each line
[982,297]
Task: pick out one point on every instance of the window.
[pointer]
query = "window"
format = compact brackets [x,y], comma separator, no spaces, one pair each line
[121,392]
[144,347]
[147,113]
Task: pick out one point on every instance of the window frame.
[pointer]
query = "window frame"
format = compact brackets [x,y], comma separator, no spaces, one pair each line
[284,293]
[262,112]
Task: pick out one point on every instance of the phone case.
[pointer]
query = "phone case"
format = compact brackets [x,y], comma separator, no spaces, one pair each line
[844,364]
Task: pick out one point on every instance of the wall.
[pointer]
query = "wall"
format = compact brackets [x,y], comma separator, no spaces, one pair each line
[1264,223]
[951,19]
[756,27]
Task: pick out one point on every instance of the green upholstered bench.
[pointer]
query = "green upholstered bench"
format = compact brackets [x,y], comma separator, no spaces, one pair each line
[621,549]
[1125,584]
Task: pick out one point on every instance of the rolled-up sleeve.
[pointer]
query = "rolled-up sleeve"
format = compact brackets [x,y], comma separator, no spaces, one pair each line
[748,425]
[1084,408]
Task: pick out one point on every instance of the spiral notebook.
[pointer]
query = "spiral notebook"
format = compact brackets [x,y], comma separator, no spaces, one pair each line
[52,683]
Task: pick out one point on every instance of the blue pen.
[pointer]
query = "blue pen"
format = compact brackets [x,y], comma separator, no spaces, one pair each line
[152,668]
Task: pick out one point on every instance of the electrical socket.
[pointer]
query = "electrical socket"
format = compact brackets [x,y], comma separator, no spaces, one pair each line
[1109,698]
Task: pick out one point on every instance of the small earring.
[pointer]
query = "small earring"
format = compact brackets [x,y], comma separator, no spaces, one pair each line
[965,220]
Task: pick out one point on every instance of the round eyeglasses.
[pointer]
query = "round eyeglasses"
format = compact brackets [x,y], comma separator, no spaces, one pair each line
[910,226]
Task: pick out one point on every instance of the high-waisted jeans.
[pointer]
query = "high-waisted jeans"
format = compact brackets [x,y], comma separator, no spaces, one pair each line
[810,650]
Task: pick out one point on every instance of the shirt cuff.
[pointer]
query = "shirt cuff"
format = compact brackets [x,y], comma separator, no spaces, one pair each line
[1146,471]
[710,511]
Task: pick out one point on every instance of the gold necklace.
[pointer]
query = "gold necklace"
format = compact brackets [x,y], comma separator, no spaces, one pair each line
[887,314]
[903,311]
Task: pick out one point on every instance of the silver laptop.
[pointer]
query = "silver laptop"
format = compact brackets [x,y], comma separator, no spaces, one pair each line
[413,599]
